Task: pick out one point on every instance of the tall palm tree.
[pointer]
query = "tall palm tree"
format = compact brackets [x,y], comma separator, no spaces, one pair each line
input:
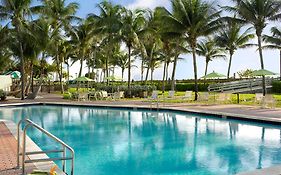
[210,51]
[257,13]
[275,41]
[232,37]
[16,12]
[60,15]
[132,24]
[109,25]
[192,19]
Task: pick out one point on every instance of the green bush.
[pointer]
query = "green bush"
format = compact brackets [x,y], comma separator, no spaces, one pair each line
[67,96]
[3,95]
[191,87]
[276,86]
[136,90]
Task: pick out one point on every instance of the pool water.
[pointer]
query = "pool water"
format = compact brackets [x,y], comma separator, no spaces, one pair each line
[140,142]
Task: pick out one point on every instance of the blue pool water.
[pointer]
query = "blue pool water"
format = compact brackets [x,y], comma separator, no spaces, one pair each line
[128,142]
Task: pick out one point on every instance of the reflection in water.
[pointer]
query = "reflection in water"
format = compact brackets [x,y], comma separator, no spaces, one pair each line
[111,141]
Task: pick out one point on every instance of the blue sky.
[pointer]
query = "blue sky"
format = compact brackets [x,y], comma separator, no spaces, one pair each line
[243,59]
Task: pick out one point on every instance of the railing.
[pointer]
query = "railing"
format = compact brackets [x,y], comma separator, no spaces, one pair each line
[239,86]
[28,124]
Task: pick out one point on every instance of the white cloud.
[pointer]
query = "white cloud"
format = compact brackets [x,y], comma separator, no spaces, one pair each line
[151,4]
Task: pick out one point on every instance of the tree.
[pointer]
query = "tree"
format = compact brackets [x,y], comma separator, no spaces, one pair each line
[16,11]
[232,38]
[210,51]
[60,15]
[275,40]
[132,24]
[192,19]
[257,13]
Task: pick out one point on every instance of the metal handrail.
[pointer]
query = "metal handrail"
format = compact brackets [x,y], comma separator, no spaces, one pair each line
[29,124]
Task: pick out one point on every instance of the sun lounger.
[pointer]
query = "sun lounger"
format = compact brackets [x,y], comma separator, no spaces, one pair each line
[268,101]
[204,96]
[171,94]
[259,97]
[224,97]
[82,96]
[187,95]
[118,95]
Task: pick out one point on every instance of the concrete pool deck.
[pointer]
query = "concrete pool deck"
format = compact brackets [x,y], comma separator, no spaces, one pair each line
[255,113]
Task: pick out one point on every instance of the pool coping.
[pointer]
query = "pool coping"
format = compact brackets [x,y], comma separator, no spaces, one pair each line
[274,170]
[30,147]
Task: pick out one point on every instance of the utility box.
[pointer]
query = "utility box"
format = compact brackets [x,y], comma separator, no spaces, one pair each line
[5,82]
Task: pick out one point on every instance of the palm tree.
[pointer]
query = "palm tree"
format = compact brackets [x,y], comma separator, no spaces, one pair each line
[109,25]
[275,40]
[132,24]
[257,13]
[60,15]
[210,51]
[231,37]
[82,38]
[192,19]
[16,11]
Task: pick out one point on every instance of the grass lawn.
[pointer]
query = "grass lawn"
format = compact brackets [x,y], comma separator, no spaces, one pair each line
[245,99]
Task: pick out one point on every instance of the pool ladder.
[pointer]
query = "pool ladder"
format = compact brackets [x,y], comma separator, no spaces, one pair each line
[29,124]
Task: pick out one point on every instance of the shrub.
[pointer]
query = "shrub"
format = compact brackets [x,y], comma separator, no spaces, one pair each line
[3,95]
[276,86]
[67,96]
[191,87]
[136,90]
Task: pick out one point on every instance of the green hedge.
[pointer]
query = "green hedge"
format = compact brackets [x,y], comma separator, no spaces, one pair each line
[136,90]
[184,87]
[276,86]
[3,95]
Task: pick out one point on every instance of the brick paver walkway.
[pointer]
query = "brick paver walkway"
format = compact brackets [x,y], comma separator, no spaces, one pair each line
[8,153]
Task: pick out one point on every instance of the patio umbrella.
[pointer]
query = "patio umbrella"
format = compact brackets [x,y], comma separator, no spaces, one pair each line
[14,74]
[113,78]
[263,72]
[83,79]
[213,75]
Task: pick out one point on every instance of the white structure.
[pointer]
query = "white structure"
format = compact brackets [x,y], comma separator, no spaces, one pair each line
[5,82]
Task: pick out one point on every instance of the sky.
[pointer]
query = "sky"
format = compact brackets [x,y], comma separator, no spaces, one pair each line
[243,59]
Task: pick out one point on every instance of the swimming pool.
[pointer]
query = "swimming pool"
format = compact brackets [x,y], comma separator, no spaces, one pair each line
[143,142]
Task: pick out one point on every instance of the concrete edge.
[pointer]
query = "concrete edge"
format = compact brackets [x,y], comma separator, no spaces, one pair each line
[32,146]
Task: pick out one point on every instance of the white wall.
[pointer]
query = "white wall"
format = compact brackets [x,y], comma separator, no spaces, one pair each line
[5,82]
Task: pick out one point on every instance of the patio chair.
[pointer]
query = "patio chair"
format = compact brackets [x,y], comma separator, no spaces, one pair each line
[187,95]
[104,95]
[224,97]
[154,97]
[268,101]
[118,95]
[204,96]
[171,94]
[259,97]
[82,96]
[94,95]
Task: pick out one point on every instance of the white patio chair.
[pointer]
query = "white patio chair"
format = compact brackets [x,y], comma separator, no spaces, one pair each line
[204,96]
[82,96]
[258,97]
[187,95]
[171,94]
[118,95]
[268,101]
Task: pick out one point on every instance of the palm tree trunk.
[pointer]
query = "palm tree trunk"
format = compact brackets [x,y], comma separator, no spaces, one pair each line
[61,76]
[195,72]
[167,71]
[262,64]
[142,69]
[123,74]
[280,65]
[81,66]
[229,65]
[147,72]
[129,70]
[164,75]
[151,74]
[174,73]
[206,70]
[106,70]
[21,67]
